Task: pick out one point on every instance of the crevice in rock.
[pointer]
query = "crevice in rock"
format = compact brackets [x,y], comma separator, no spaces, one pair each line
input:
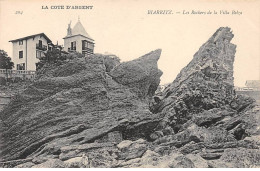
[140,131]
[240,134]
[233,125]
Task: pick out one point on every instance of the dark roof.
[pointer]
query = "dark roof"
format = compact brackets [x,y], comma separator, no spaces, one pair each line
[79,29]
[28,37]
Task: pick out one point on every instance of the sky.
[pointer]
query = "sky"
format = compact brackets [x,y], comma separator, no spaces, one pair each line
[124,28]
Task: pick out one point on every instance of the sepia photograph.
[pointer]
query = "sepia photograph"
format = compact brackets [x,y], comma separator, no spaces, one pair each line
[129,84]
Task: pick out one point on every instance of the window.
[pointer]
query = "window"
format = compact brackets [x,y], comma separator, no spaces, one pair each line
[39,54]
[20,42]
[87,45]
[84,45]
[40,43]
[91,46]
[21,66]
[73,45]
[20,54]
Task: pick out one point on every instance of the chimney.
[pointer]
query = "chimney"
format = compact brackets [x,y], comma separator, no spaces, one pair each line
[69,29]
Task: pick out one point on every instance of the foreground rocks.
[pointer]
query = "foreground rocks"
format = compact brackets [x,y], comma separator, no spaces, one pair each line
[94,112]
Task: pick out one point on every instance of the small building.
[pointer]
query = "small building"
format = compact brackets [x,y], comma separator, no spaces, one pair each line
[78,40]
[28,50]
[253,83]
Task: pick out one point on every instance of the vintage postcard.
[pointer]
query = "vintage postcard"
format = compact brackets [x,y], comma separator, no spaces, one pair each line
[129,84]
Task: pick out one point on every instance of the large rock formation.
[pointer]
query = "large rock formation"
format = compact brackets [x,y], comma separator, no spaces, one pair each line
[203,110]
[79,102]
[142,74]
[205,83]
[95,112]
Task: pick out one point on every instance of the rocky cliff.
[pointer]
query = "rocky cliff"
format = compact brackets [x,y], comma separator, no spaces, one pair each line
[79,102]
[84,114]
[202,110]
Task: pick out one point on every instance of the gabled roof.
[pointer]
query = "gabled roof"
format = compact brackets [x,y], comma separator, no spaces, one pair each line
[31,36]
[78,29]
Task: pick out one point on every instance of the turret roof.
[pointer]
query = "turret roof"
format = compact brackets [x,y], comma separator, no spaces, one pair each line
[78,29]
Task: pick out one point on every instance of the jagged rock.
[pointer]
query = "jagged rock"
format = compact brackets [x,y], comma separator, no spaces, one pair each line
[85,147]
[134,150]
[240,102]
[207,118]
[130,163]
[200,134]
[198,161]
[14,163]
[51,163]
[181,162]
[77,102]
[42,159]
[142,74]
[155,135]
[242,157]
[253,139]
[163,150]
[25,165]
[150,158]
[77,162]
[190,147]
[102,158]
[205,83]
[220,164]
[124,144]
[211,156]
[96,112]
[69,155]
[115,137]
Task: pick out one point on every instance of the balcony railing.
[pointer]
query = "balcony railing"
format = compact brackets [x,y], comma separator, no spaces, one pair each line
[41,47]
[10,71]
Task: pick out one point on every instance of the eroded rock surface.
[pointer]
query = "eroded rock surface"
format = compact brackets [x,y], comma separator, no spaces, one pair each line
[79,102]
[95,112]
[207,117]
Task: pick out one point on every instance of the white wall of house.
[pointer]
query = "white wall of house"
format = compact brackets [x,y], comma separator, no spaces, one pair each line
[16,49]
[29,55]
[78,39]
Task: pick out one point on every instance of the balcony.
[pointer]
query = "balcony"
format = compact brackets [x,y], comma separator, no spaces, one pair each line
[41,47]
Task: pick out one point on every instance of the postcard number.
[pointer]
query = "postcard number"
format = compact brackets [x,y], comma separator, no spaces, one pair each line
[19,12]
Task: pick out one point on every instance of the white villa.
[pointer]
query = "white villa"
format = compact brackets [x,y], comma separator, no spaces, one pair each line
[27,51]
[78,40]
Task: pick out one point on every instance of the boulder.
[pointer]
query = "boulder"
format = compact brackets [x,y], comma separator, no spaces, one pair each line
[77,162]
[198,161]
[102,158]
[240,102]
[150,158]
[51,163]
[124,144]
[242,157]
[163,150]
[181,162]
[25,165]
[135,150]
